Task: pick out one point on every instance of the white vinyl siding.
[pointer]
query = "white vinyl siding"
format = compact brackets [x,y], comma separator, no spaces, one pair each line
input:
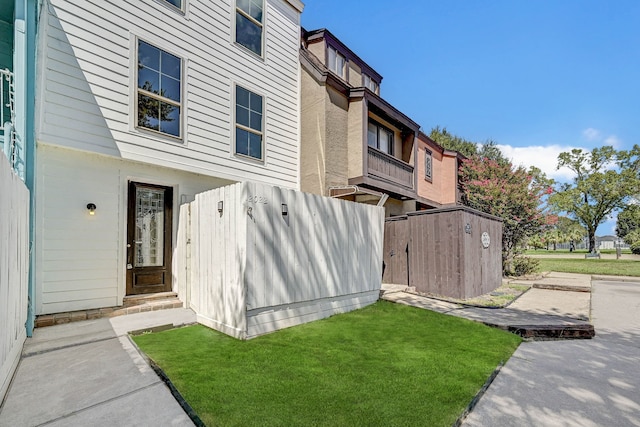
[88,86]
[81,258]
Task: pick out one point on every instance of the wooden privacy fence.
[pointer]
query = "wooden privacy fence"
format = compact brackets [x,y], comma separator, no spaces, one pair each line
[254,258]
[14,270]
[454,252]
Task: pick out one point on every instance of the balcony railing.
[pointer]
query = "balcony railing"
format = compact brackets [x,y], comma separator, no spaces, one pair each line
[388,168]
[7,121]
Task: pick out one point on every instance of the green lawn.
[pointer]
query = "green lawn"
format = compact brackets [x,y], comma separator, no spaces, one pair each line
[610,267]
[567,251]
[386,364]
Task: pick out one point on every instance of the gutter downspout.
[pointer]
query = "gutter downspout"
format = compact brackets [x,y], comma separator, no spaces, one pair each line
[24,68]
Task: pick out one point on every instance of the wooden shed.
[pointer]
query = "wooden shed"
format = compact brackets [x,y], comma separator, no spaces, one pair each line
[454,252]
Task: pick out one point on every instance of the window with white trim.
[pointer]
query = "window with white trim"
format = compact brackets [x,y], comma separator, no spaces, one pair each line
[380,137]
[336,62]
[249,124]
[249,24]
[428,165]
[175,3]
[369,83]
[159,90]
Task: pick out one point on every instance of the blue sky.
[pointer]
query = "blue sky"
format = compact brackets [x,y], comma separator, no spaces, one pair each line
[538,77]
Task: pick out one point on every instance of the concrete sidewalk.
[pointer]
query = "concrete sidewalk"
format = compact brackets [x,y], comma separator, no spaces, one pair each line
[89,373]
[557,306]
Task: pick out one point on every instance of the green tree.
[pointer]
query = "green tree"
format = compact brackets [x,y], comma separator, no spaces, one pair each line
[453,142]
[604,181]
[564,230]
[511,193]
[628,220]
[633,239]
[490,150]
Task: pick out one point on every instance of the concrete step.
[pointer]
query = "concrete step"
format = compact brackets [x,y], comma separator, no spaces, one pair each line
[135,305]
[131,300]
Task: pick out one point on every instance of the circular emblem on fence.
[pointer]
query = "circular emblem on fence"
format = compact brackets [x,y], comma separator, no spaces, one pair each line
[486,240]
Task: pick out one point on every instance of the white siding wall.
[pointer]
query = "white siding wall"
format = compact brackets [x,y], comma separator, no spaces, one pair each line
[14,270]
[88,87]
[274,271]
[80,259]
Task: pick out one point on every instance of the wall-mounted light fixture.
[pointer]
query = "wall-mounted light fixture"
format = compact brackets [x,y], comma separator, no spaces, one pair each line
[467,228]
[220,205]
[92,208]
[285,210]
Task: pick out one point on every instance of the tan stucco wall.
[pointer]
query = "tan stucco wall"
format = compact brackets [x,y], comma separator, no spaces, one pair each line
[317,49]
[395,207]
[355,74]
[357,135]
[337,146]
[324,126]
[312,135]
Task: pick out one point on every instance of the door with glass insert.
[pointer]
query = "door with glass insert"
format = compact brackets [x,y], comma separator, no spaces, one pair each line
[149,239]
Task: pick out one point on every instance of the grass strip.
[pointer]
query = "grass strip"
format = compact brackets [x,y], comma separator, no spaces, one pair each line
[386,364]
[607,267]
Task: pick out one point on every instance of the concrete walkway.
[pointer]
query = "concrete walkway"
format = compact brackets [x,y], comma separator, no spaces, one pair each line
[582,383]
[89,373]
[540,313]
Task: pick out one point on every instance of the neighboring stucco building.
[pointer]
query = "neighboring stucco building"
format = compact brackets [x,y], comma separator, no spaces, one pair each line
[356,145]
[437,173]
[141,106]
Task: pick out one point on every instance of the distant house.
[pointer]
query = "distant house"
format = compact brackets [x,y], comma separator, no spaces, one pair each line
[356,145]
[142,105]
[610,242]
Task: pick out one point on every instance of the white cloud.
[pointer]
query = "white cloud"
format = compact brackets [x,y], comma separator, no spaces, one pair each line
[543,157]
[591,134]
[613,141]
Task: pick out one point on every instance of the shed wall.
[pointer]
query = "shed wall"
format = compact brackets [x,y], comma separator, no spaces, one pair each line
[217,248]
[443,258]
[254,270]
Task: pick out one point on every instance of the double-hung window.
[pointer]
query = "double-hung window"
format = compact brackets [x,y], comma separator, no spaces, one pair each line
[337,62]
[428,165]
[380,137]
[159,90]
[249,24]
[249,124]
[368,82]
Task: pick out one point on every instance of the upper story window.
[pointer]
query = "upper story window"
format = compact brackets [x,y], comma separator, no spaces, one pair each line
[368,82]
[249,119]
[159,90]
[380,137]
[249,24]
[176,3]
[337,62]
[428,165]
